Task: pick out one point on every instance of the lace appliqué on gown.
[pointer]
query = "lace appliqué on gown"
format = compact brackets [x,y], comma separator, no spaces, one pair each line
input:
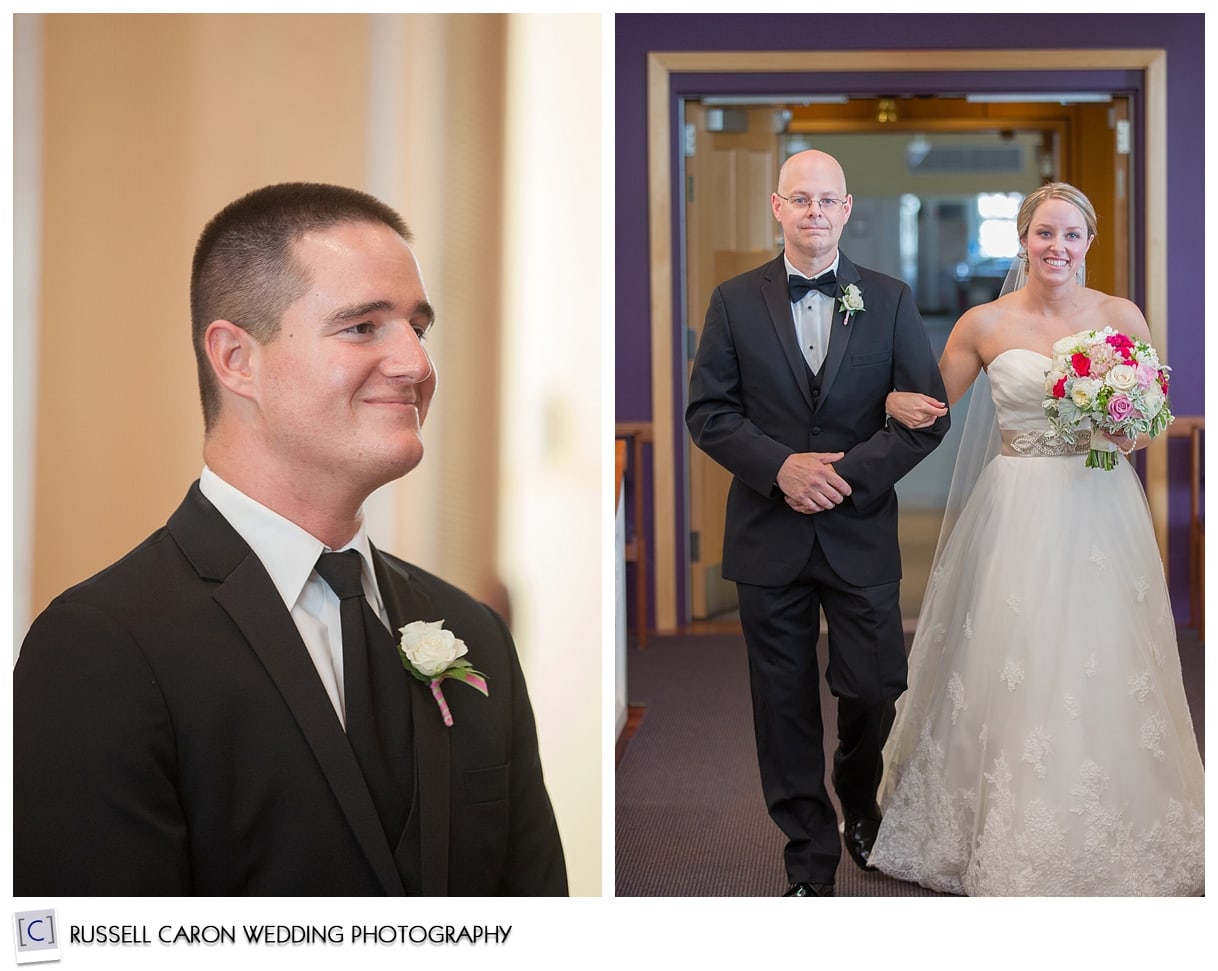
[996,842]
[1045,746]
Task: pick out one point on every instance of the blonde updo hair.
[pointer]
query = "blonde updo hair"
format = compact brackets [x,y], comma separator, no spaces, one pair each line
[1054,190]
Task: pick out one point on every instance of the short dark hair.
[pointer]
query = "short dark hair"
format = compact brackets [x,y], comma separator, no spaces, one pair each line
[244,269]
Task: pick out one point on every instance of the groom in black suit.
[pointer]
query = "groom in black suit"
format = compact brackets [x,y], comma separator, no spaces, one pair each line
[787,393]
[224,711]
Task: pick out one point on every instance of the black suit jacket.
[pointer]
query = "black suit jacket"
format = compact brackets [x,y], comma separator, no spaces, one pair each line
[750,407]
[171,736]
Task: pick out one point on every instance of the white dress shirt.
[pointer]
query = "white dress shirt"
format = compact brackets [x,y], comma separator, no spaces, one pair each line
[813,318]
[289,555]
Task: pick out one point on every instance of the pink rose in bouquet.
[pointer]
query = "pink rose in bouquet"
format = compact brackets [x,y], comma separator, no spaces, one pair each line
[1120,408]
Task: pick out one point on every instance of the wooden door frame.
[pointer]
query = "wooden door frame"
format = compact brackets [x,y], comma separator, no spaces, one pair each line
[661,65]
[706,482]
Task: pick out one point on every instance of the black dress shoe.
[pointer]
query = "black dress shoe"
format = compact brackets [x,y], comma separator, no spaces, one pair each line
[810,890]
[859,833]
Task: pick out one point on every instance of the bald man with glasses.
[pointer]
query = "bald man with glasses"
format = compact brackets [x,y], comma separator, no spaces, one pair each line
[787,393]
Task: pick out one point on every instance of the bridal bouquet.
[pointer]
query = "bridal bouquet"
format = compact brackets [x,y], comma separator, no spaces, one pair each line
[1106,381]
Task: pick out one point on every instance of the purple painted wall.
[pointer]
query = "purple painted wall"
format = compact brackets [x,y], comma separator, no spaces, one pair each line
[1181,35]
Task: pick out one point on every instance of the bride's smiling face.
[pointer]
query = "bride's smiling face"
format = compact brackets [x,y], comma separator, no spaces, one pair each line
[1057,241]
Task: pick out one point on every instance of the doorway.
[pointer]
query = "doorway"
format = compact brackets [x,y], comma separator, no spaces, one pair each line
[678,76]
[936,183]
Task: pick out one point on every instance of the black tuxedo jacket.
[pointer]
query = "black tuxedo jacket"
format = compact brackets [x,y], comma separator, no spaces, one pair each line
[171,737]
[751,405]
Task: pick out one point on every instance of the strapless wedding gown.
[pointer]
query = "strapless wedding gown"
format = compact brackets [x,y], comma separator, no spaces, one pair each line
[1045,746]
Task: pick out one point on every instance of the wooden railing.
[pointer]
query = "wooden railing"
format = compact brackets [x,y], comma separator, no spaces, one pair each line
[1192,427]
[634,435]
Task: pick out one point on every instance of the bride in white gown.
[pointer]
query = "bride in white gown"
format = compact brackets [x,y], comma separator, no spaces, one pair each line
[1044,746]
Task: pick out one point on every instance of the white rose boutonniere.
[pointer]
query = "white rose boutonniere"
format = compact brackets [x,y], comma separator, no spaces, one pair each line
[851,302]
[433,654]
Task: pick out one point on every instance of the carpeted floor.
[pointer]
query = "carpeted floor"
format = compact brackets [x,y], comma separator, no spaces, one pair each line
[690,820]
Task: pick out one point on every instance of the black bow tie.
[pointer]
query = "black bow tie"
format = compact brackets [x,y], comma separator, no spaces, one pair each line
[826,283]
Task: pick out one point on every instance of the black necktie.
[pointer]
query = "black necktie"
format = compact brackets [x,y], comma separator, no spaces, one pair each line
[826,283]
[373,690]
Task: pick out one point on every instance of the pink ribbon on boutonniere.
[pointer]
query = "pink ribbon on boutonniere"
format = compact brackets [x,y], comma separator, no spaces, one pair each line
[432,655]
[471,678]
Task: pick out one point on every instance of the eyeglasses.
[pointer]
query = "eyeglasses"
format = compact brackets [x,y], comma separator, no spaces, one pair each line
[830,207]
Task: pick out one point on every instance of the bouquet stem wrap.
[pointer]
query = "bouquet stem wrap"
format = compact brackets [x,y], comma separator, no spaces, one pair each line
[1102,454]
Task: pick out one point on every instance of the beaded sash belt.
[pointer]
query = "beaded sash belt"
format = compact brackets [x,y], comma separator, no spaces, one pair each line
[1042,443]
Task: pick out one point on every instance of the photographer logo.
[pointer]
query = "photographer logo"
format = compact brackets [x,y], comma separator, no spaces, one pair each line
[36,936]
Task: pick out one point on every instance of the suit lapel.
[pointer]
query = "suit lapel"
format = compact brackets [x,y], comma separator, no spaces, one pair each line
[405,602]
[839,331]
[778,302]
[246,593]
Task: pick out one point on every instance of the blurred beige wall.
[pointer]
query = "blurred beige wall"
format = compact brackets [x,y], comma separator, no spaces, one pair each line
[133,130]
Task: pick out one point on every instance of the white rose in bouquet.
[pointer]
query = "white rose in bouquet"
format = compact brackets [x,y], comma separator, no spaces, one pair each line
[1064,346]
[1122,377]
[1153,399]
[1084,392]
